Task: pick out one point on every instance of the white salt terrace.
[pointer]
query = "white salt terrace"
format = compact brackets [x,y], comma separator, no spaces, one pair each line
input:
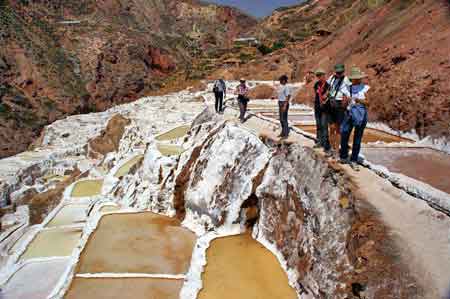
[116,252]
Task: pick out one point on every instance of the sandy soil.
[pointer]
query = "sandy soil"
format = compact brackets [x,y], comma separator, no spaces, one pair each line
[54,242]
[425,165]
[239,267]
[119,288]
[138,243]
[87,188]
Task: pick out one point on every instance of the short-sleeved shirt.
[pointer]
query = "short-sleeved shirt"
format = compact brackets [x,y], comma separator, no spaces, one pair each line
[358,92]
[220,86]
[338,90]
[283,93]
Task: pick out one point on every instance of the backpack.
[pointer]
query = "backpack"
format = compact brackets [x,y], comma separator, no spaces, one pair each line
[332,99]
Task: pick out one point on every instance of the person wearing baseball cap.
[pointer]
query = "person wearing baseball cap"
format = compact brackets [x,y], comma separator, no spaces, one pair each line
[339,90]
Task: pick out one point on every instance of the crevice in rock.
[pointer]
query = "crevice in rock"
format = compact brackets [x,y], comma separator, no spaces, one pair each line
[182,180]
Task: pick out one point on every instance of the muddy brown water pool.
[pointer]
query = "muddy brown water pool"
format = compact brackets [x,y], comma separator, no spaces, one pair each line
[241,268]
[138,243]
[426,165]
[120,288]
[370,135]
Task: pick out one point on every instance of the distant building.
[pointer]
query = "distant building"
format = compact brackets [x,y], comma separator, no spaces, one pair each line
[248,41]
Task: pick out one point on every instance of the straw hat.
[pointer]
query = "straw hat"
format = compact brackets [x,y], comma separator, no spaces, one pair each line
[356,73]
[242,80]
[320,71]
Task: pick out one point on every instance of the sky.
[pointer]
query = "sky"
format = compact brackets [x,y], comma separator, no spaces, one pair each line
[258,8]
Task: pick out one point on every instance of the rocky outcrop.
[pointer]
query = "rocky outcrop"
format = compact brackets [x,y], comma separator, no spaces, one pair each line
[262,91]
[335,242]
[109,139]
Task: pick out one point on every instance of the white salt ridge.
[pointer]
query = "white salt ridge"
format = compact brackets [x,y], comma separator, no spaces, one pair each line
[419,189]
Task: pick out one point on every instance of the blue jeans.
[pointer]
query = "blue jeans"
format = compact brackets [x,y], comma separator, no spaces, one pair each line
[346,130]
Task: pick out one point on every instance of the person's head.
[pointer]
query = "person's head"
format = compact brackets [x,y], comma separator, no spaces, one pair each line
[283,79]
[356,75]
[242,81]
[339,70]
[320,74]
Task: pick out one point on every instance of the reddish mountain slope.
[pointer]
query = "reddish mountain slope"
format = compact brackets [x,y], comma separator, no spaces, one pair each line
[64,57]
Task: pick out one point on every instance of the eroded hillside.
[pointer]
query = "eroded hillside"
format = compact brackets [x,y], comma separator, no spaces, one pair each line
[402,45]
[64,57]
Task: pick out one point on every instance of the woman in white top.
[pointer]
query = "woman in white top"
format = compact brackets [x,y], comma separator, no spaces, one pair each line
[356,117]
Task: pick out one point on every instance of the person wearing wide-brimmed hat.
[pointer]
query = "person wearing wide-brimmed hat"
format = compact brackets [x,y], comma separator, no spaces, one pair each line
[321,110]
[356,117]
[339,84]
[242,92]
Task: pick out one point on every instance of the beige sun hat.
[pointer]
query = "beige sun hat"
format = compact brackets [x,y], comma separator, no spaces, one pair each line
[320,71]
[356,73]
[242,79]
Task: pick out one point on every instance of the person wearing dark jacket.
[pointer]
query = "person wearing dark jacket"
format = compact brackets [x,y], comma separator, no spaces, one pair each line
[220,92]
[321,110]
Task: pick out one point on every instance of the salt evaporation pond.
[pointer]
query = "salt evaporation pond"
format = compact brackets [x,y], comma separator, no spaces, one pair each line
[35,280]
[68,215]
[170,149]
[138,243]
[125,169]
[241,268]
[120,288]
[174,133]
[87,188]
[53,242]
[109,209]
[423,164]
